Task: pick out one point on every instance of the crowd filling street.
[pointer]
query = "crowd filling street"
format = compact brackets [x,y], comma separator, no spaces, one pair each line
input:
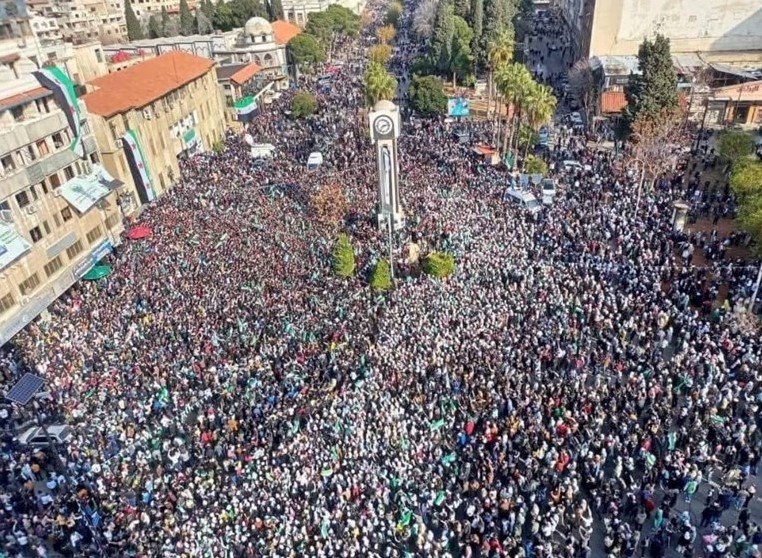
[576,390]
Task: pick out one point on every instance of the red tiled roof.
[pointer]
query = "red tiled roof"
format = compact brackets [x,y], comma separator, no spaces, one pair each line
[143,83]
[20,98]
[613,102]
[284,31]
[244,74]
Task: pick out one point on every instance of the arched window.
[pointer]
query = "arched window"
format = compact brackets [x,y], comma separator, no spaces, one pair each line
[268,60]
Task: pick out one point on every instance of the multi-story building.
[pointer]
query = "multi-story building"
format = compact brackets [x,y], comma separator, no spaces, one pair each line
[45,29]
[618,27]
[150,115]
[59,211]
[145,8]
[85,20]
[296,11]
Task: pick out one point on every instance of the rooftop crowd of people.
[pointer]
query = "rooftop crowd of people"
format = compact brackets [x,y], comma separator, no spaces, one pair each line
[563,395]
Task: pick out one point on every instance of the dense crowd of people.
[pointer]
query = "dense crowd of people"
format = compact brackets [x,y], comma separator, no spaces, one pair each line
[563,395]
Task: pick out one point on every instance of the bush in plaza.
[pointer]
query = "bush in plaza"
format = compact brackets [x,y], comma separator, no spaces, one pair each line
[381,278]
[343,257]
[733,145]
[535,165]
[303,104]
[439,265]
[427,96]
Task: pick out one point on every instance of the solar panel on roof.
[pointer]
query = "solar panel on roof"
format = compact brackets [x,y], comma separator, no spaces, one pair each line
[24,389]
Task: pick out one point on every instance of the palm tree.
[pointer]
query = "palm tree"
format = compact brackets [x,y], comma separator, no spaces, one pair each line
[539,107]
[499,54]
[378,84]
[513,82]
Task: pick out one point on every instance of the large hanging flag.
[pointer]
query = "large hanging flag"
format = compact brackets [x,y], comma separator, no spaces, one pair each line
[244,107]
[54,79]
[141,174]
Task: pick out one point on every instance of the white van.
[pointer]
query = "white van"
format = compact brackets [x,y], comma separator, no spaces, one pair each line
[523,199]
[548,188]
[314,161]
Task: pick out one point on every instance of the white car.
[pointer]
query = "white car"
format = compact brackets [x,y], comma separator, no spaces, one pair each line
[36,436]
[576,119]
[314,161]
[523,199]
[548,188]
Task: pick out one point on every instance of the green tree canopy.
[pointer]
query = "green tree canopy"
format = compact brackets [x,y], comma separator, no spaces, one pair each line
[393,14]
[441,39]
[535,165]
[343,257]
[224,18]
[165,23]
[306,49]
[427,96]
[303,104]
[333,22]
[461,58]
[154,27]
[381,278]
[746,179]
[378,84]
[134,29]
[734,145]
[439,265]
[186,19]
[655,90]
[243,10]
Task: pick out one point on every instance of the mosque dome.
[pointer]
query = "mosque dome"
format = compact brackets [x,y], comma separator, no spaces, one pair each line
[257,26]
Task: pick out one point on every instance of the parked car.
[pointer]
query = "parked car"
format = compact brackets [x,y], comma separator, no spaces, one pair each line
[548,189]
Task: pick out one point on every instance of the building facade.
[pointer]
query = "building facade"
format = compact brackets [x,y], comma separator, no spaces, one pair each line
[149,116]
[296,11]
[618,27]
[82,21]
[58,209]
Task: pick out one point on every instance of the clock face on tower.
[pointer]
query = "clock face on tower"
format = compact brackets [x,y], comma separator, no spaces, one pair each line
[383,126]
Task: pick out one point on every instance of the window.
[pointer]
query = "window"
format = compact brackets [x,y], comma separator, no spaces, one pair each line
[6,303]
[55,181]
[33,189]
[8,164]
[94,235]
[74,249]
[29,284]
[93,158]
[112,221]
[5,205]
[56,220]
[44,187]
[30,154]
[66,214]
[18,114]
[46,226]
[42,147]
[58,141]
[69,173]
[22,198]
[36,234]
[52,266]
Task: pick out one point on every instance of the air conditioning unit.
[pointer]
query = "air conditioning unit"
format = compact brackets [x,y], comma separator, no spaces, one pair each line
[58,144]
[31,210]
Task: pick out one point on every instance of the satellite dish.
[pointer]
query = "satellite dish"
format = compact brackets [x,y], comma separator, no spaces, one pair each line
[249,139]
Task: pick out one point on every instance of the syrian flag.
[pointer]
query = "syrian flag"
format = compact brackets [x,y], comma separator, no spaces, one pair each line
[140,172]
[244,107]
[55,80]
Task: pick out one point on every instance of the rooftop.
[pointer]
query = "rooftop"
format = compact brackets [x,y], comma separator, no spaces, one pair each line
[244,74]
[284,31]
[143,83]
[619,65]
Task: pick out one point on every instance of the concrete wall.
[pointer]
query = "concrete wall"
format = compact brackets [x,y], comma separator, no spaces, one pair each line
[619,26]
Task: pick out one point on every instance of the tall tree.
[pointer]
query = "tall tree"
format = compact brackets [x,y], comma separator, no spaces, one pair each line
[134,29]
[498,18]
[186,19]
[423,18]
[154,28]
[202,23]
[499,54]
[208,8]
[461,60]
[306,49]
[477,23]
[224,18]
[540,106]
[441,40]
[164,22]
[655,89]
[275,10]
[378,84]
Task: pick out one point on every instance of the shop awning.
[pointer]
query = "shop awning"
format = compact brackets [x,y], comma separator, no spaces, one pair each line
[84,191]
[98,272]
[12,244]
